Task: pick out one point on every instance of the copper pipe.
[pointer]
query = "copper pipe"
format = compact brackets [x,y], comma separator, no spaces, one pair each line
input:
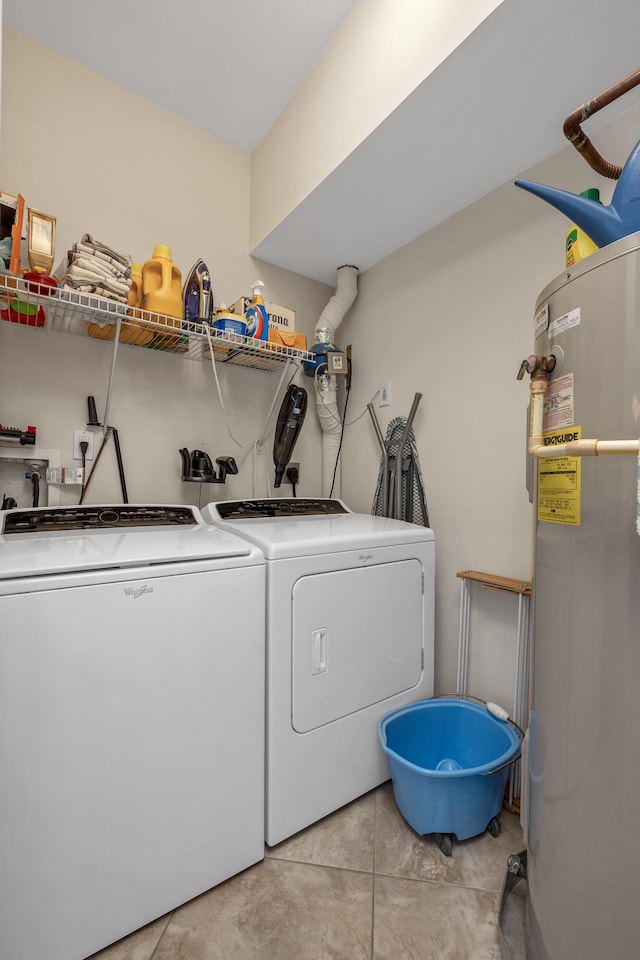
[580,140]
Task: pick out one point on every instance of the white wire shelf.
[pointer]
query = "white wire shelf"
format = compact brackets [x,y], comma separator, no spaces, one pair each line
[53,308]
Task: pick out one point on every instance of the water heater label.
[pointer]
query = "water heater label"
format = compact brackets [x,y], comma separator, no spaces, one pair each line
[558,403]
[541,321]
[559,482]
[564,323]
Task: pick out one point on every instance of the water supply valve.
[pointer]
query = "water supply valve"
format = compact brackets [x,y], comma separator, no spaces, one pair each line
[23,437]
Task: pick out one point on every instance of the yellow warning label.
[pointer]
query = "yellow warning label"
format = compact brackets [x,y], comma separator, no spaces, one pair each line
[559,482]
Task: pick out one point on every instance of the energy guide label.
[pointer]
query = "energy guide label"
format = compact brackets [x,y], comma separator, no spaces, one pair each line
[559,481]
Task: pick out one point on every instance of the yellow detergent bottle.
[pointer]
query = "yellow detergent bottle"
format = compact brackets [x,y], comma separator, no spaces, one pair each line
[135,291]
[129,332]
[578,244]
[132,332]
[162,285]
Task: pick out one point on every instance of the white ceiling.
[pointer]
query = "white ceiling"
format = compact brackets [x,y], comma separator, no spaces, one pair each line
[228,66]
[493,109]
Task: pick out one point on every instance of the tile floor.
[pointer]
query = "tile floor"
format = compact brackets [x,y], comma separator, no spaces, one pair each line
[359,885]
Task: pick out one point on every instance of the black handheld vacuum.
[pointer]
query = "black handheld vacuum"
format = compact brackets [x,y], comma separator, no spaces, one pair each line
[290,420]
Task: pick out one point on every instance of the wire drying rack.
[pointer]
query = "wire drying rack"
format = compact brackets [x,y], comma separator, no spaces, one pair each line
[44,307]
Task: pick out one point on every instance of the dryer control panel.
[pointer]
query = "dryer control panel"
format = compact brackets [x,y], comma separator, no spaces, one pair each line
[286,507]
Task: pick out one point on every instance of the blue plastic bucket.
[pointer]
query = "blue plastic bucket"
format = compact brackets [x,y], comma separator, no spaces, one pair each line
[449,761]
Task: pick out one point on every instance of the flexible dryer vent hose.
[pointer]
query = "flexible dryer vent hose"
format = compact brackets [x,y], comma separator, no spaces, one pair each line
[327,386]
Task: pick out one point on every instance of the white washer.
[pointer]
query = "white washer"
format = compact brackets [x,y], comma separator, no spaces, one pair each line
[131,720]
[349,636]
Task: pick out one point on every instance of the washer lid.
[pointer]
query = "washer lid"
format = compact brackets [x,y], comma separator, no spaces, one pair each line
[291,534]
[52,540]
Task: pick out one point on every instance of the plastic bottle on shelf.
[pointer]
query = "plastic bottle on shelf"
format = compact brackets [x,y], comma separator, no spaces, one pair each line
[135,291]
[132,332]
[162,285]
[129,333]
[578,245]
[256,316]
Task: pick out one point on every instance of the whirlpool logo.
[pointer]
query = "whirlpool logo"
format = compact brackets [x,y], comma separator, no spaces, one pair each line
[136,592]
[365,557]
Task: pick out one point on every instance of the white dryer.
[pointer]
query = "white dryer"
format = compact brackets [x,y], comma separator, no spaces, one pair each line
[131,720]
[350,601]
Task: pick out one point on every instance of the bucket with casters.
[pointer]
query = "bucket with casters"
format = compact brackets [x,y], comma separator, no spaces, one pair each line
[449,758]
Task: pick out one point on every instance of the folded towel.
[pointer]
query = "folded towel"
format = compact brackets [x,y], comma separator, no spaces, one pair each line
[93,288]
[76,278]
[104,250]
[100,268]
[115,265]
[93,267]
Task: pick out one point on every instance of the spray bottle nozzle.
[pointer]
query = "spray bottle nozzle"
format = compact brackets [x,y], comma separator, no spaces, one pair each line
[256,288]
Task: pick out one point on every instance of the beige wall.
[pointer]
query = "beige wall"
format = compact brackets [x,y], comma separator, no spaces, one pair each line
[450,315]
[107,162]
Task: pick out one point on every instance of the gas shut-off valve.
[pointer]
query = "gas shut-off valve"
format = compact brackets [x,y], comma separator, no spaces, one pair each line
[538,367]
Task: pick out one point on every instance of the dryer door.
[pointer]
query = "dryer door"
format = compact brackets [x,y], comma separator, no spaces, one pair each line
[357,639]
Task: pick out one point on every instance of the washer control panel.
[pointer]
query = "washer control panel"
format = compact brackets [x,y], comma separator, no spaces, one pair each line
[43,519]
[284,508]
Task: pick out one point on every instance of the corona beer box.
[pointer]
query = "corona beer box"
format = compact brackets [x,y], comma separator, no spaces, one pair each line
[280,318]
[285,338]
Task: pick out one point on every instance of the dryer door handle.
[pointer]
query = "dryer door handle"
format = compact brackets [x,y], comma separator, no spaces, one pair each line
[319,651]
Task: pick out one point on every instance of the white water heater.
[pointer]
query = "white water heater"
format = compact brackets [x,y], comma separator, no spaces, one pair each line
[583,825]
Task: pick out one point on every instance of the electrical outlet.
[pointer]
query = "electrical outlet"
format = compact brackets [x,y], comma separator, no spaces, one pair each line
[82,436]
[290,466]
[384,395]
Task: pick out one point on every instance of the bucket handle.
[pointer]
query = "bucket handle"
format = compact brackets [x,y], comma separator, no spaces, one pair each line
[506,764]
[483,703]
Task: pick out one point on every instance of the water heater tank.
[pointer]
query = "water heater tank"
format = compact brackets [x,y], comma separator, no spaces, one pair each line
[583,828]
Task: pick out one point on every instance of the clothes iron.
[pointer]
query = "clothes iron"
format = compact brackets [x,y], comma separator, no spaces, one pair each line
[197,294]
